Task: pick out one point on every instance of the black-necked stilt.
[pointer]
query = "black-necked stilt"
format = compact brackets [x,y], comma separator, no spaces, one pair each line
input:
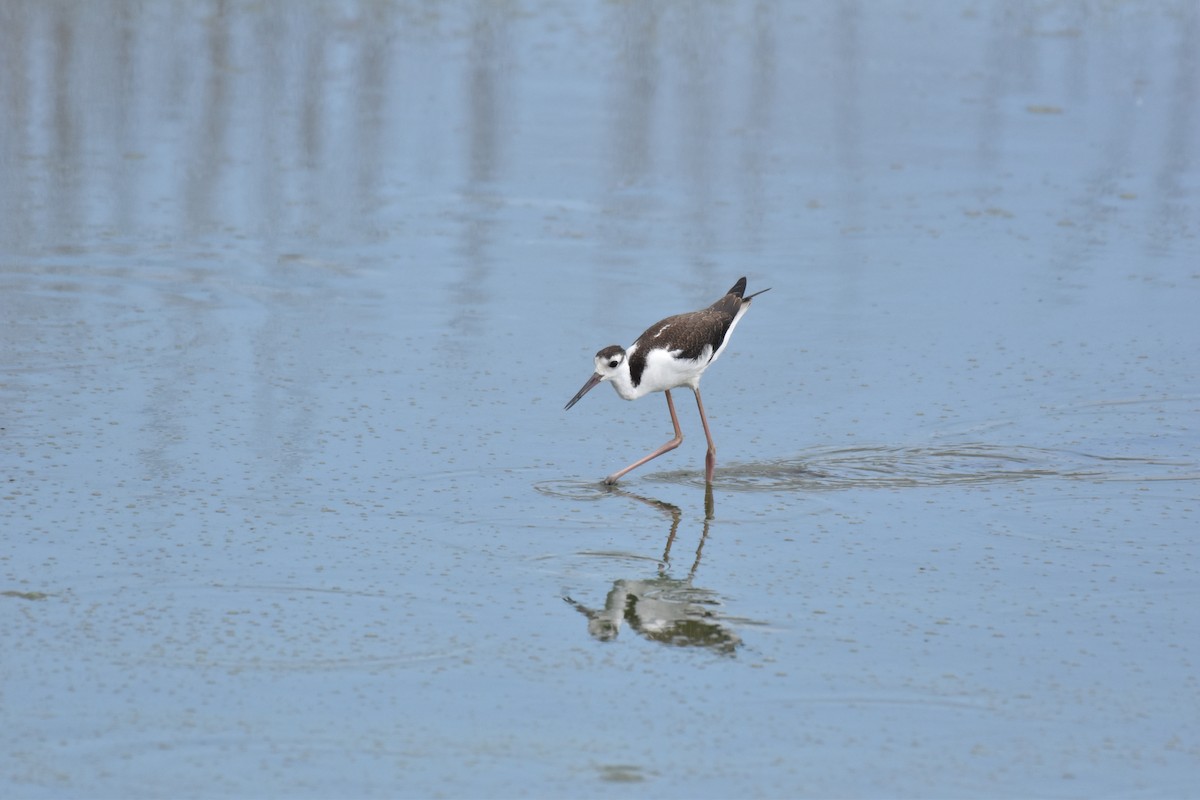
[672,353]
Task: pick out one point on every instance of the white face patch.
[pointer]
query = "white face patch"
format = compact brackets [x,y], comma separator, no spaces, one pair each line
[606,364]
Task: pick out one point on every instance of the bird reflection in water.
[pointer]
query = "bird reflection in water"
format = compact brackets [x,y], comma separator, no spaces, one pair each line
[664,609]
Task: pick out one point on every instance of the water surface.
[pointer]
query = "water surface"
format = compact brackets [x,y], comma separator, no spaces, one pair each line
[293,296]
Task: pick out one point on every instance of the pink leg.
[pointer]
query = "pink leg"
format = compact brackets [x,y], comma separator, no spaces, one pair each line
[710,460]
[666,448]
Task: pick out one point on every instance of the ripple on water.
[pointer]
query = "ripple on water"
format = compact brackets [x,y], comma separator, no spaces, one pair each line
[576,490]
[880,467]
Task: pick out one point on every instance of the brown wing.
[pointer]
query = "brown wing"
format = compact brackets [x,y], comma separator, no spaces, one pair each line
[688,334]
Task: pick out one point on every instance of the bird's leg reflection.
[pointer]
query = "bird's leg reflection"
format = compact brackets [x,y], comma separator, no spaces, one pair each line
[676,516]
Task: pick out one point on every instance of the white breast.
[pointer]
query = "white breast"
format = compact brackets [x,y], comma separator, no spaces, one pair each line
[666,371]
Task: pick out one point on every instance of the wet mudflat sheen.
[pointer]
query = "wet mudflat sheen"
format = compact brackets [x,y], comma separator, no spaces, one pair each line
[293,295]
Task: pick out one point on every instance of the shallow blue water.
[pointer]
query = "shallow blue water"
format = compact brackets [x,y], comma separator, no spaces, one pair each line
[293,296]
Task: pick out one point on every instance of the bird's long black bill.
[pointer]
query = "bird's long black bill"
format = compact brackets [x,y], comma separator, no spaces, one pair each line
[587,387]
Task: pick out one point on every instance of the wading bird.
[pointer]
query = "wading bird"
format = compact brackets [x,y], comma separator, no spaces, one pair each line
[672,353]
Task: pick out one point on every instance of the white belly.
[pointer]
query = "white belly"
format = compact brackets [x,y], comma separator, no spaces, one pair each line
[664,371]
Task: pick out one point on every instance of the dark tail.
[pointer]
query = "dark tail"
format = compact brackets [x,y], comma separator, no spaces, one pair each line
[739,289]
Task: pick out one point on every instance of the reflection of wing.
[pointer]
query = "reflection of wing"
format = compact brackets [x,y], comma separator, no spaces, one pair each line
[673,612]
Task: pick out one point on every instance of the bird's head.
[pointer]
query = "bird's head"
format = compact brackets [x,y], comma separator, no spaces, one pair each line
[608,363]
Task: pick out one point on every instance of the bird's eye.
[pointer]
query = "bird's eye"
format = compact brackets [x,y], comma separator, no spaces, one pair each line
[613,364]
